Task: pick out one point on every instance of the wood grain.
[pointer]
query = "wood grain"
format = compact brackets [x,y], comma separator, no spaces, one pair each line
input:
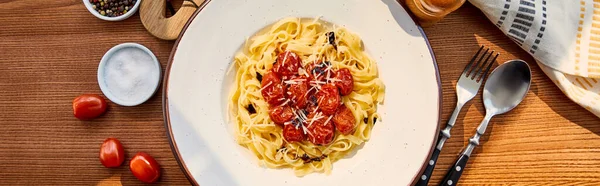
[49,52]
[152,14]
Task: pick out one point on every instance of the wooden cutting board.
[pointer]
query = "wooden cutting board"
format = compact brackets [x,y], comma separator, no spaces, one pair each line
[152,14]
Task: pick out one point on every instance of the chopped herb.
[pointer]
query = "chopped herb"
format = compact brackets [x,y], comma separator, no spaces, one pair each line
[305,157]
[313,99]
[308,159]
[296,122]
[251,109]
[282,148]
[320,69]
[258,76]
[317,70]
[331,38]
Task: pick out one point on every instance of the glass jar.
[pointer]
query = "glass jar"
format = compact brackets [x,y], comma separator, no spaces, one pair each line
[431,11]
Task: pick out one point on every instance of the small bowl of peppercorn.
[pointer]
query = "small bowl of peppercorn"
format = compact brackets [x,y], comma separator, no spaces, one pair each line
[112,10]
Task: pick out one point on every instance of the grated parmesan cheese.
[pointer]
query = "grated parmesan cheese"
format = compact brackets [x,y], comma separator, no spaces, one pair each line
[267,85]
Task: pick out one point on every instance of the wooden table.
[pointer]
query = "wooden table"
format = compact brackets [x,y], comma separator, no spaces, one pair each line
[49,52]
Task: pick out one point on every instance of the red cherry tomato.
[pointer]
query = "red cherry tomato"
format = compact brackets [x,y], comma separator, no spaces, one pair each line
[272,89]
[344,120]
[88,106]
[320,131]
[111,153]
[287,64]
[328,99]
[345,83]
[281,114]
[293,134]
[144,168]
[298,92]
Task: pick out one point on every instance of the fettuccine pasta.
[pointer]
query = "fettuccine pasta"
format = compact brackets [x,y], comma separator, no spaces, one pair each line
[314,43]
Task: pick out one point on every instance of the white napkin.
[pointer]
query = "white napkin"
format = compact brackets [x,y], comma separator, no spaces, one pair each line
[562,35]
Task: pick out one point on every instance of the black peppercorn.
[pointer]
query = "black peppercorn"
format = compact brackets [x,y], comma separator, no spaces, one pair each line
[112,8]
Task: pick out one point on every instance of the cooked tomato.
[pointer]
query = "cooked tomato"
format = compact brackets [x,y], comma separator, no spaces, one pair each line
[344,120]
[88,106]
[112,153]
[291,133]
[287,64]
[272,88]
[328,99]
[298,92]
[320,131]
[281,114]
[144,167]
[344,81]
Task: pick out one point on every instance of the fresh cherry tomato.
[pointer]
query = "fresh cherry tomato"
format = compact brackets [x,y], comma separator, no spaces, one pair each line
[344,81]
[272,89]
[320,131]
[291,133]
[144,168]
[281,114]
[287,64]
[88,106]
[344,120]
[297,92]
[111,153]
[328,99]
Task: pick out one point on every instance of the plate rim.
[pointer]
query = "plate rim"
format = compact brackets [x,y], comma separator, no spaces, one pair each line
[165,105]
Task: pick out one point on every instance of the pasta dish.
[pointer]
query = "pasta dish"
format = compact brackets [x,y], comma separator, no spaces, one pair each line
[305,95]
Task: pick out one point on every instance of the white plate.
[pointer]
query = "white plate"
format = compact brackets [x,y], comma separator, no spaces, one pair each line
[195,101]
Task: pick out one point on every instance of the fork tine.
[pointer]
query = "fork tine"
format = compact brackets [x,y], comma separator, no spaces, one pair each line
[467,67]
[489,66]
[475,66]
[477,75]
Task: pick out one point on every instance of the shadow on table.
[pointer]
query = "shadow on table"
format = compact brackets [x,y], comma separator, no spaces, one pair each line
[548,92]
[565,107]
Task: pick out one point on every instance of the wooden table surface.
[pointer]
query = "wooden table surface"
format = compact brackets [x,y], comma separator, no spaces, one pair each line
[49,53]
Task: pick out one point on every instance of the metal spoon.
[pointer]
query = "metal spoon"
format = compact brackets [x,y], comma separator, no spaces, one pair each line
[504,90]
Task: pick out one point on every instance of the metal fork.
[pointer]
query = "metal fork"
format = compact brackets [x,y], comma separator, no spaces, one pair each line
[466,88]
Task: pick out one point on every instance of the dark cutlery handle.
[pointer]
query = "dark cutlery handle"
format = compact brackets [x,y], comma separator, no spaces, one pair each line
[426,176]
[455,171]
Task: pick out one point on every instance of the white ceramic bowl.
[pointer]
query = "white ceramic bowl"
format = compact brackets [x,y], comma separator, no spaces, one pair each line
[129,13]
[101,75]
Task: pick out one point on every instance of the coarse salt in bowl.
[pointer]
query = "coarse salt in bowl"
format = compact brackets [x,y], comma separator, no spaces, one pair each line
[129,74]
